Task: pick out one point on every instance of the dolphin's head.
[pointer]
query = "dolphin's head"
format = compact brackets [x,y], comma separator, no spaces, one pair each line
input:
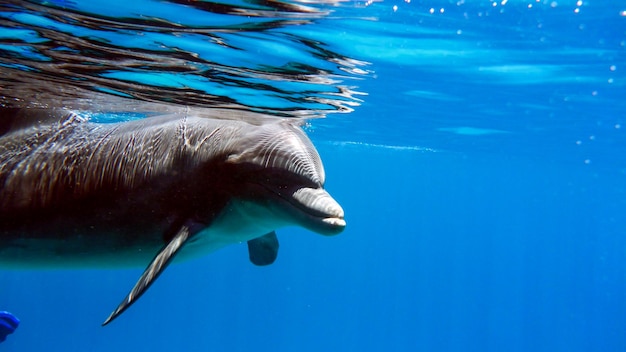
[278,164]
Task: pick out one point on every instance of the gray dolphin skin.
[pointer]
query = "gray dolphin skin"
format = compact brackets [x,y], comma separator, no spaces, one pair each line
[76,193]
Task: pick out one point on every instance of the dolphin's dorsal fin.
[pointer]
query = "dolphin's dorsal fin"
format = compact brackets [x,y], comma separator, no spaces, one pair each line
[152,272]
[263,250]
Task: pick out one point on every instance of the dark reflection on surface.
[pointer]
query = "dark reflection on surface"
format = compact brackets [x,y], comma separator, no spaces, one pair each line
[203,54]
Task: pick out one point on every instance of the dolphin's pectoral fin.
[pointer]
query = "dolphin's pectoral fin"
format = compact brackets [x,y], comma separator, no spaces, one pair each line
[156,267]
[263,250]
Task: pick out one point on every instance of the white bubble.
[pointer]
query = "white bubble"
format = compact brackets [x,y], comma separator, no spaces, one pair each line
[395,8]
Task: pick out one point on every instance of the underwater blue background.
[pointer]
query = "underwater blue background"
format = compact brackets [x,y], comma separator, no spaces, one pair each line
[483,175]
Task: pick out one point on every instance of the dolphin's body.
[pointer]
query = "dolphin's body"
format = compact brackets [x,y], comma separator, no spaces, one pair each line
[79,193]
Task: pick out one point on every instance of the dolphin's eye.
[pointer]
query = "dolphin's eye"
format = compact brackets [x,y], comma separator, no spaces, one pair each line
[284,181]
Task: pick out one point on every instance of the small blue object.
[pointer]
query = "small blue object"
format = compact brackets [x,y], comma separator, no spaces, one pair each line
[8,324]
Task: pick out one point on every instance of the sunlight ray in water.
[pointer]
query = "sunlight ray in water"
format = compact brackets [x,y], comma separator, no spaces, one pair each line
[471,131]
[364,145]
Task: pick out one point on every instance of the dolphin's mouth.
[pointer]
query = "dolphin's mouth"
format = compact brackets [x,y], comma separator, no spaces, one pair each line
[325,215]
[314,208]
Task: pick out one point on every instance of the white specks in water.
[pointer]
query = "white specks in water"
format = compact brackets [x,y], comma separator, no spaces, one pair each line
[613,68]
[579,3]
[395,8]
[618,126]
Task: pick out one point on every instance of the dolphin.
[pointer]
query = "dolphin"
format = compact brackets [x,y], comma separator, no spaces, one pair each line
[75,192]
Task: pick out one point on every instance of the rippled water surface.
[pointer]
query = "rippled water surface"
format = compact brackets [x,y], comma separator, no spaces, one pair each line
[239,55]
[476,146]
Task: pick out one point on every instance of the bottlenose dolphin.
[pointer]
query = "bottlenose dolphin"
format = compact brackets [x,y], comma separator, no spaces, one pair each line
[79,193]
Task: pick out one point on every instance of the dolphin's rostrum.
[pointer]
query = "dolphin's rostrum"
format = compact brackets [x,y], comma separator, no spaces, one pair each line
[79,193]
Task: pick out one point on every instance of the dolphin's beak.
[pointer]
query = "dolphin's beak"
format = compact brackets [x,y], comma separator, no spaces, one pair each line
[323,214]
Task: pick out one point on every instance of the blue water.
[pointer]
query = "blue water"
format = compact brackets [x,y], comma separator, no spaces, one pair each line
[479,159]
